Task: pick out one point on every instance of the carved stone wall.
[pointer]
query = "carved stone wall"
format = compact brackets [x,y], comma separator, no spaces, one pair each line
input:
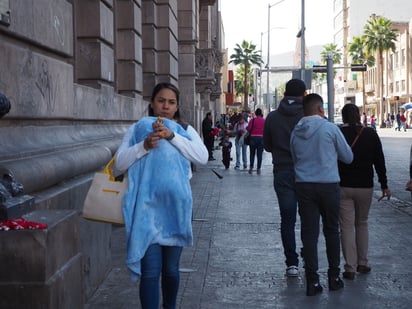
[77,74]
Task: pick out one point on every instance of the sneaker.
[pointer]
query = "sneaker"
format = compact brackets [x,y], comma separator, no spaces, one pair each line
[237,168]
[313,288]
[335,284]
[363,269]
[292,271]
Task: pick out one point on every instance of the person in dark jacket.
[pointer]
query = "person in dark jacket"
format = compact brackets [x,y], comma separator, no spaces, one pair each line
[276,140]
[356,186]
[208,137]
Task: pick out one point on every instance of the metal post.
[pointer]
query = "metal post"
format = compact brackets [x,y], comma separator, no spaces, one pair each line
[302,45]
[260,71]
[268,59]
[331,97]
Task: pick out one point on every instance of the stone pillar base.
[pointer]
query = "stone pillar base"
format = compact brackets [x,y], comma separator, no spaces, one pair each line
[42,268]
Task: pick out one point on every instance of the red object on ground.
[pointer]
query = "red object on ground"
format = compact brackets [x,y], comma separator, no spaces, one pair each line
[21,224]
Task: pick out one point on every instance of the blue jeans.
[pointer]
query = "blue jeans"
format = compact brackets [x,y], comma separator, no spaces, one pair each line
[160,260]
[256,148]
[284,184]
[319,200]
[241,148]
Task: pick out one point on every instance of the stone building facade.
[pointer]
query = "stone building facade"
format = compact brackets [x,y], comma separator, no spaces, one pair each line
[77,74]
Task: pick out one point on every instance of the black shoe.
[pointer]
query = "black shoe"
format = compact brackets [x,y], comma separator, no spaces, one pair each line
[313,288]
[348,275]
[212,159]
[335,284]
[363,269]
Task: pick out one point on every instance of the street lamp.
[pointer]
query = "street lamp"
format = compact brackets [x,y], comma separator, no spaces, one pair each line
[302,43]
[268,56]
[260,68]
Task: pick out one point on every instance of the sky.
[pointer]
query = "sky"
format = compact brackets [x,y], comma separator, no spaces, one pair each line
[248,20]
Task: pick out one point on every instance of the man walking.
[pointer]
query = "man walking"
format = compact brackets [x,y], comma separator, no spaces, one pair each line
[208,137]
[276,139]
[316,146]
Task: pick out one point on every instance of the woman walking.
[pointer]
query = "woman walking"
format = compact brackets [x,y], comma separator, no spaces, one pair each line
[255,129]
[356,184]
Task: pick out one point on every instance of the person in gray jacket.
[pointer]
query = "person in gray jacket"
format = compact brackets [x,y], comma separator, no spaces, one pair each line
[316,146]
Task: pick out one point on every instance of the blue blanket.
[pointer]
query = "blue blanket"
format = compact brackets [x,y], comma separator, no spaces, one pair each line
[157,207]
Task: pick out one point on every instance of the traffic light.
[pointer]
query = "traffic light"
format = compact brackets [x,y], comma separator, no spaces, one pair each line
[358,67]
[319,69]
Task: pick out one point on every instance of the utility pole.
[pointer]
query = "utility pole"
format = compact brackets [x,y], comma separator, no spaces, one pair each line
[331,93]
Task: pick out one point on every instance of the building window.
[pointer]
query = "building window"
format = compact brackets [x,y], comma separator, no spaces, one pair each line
[396,59]
[403,85]
[4,12]
[403,57]
[397,87]
[391,62]
[391,88]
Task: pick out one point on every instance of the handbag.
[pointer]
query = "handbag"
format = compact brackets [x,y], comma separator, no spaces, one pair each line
[247,137]
[104,199]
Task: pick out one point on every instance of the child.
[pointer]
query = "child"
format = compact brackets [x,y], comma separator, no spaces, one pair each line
[226,149]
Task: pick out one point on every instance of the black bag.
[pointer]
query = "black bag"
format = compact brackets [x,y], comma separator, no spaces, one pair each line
[246,139]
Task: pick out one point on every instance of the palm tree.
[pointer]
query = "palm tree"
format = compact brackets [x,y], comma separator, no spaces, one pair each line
[379,37]
[336,53]
[239,76]
[336,58]
[359,54]
[246,55]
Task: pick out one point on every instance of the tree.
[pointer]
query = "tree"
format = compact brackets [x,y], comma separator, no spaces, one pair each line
[379,37]
[239,76]
[336,53]
[336,58]
[359,54]
[246,56]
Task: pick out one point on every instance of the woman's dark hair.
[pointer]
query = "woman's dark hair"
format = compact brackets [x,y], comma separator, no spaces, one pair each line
[258,112]
[350,114]
[158,88]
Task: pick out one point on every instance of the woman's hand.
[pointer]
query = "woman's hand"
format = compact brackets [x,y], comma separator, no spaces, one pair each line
[162,131]
[151,141]
[385,193]
[409,185]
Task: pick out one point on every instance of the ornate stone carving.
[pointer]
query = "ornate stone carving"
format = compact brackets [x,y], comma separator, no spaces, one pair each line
[208,65]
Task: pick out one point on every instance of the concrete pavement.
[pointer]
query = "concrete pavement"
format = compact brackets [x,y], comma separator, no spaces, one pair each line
[237,259]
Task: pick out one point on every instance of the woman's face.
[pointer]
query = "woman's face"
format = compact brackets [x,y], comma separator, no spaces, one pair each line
[165,104]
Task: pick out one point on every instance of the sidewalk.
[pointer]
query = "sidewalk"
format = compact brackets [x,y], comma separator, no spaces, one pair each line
[237,259]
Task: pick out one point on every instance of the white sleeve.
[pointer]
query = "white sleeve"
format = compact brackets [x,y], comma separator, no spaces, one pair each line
[194,150]
[126,155]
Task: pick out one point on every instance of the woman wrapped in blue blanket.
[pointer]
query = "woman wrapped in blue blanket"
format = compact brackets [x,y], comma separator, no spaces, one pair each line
[156,152]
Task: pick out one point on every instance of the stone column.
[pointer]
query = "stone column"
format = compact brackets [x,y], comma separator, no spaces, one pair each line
[160,51]
[167,33]
[94,45]
[188,18]
[129,48]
